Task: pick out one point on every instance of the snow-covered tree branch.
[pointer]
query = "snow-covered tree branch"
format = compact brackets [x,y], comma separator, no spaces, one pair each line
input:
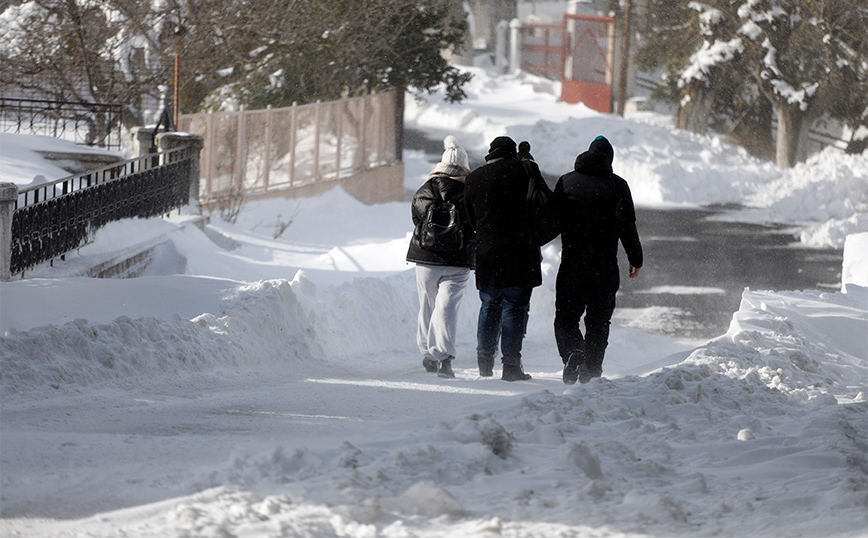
[804,58]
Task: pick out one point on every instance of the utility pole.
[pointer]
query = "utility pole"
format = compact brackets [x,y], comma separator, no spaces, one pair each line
[176,90]
[176,96]
[625,58]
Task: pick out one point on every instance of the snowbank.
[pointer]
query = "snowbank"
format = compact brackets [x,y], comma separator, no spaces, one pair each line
[761,431]
[22,158]
[855,260]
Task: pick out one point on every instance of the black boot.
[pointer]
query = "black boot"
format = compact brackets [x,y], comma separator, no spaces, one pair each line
[514,372]
[572,367]
[446,368]
[430,364]
[486,366]
[587,375]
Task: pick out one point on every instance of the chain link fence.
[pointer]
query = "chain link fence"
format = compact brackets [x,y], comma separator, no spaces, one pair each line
[258,151]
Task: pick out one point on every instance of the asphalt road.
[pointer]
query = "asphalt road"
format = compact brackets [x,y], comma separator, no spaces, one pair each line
[692,250]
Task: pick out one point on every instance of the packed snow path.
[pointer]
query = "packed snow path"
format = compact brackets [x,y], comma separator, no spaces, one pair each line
[253,423]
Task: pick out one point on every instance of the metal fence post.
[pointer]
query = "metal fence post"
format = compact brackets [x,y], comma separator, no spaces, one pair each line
[316,134]
[167,141]
[266,165]
[381,146]
[363,131]
[241,150]
[8,197]
[340,135]
[293,139]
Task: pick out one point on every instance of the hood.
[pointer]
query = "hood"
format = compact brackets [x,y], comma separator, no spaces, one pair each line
[597,161]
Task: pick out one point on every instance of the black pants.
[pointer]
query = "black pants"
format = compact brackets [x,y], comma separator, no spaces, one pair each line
[591,294]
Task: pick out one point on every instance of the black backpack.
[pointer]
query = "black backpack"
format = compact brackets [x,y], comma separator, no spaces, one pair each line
[440,230]
[540,219]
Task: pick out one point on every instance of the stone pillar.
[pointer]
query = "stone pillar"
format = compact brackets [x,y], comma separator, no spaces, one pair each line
[500,60]
[168,141]
[8,196]
[514,45]
[143,139]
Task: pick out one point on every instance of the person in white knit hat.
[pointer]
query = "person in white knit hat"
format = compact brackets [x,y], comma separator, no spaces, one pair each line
[443,249]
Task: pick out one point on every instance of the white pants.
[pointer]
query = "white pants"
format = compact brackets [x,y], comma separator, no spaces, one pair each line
[441,289]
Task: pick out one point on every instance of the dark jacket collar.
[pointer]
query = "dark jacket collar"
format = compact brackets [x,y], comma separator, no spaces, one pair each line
[500,153]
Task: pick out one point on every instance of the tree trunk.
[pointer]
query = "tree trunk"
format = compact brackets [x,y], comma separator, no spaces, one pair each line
[794,127]
[693,115]
[753,130]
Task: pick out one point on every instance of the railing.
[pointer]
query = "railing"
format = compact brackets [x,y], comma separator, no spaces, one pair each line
[90,124]
[258,151]
[52,219]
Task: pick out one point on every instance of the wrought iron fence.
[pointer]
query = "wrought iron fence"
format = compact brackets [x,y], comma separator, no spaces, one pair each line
[55,218]
[89,124]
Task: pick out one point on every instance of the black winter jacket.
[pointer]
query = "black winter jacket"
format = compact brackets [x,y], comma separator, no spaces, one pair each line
[596,210]
[494,197]
[450,188]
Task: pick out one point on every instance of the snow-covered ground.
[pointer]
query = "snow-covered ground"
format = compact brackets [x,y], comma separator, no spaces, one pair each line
[23,158]
[262,378]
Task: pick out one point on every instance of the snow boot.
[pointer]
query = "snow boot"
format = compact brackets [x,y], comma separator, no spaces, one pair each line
[445,370]
[486,366]
[572,367]
[430,364]
[587,375]
[514,372]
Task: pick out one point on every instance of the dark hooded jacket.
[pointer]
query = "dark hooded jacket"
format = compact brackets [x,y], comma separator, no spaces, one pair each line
[446,182]
[595,210]
[494,197]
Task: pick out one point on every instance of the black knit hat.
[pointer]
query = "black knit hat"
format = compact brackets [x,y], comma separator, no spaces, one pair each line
[602,146]
[503,142]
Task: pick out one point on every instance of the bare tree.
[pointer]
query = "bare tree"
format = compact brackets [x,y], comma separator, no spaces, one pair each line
[88,52]
[266,51]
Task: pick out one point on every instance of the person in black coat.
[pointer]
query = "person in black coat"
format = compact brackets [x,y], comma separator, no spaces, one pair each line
[507,262]
[595,211]
[441,274]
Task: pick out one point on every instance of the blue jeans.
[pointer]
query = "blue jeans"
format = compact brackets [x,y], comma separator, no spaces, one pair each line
[503,316]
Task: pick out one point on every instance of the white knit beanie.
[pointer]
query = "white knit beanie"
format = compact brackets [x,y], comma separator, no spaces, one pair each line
[454,153]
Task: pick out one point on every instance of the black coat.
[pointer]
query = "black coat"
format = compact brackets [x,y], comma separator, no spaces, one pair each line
[441,186]
[595,211]
[494,197]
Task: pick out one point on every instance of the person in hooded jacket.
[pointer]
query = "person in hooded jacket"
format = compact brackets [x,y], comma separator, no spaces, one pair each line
[441,276]
[594,211]
[507,261]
